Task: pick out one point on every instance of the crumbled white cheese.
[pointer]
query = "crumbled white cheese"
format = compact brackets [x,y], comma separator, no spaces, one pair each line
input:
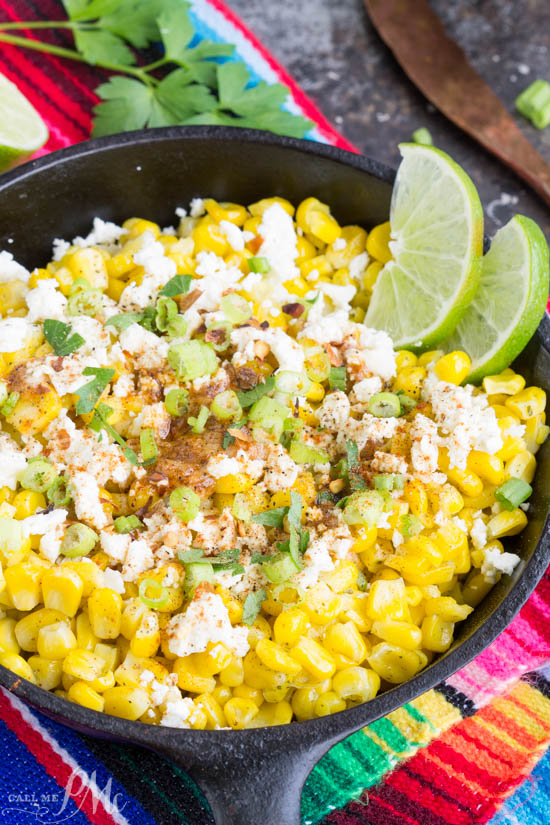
[124,386]
[363,390]
[115,545]
[368,351]
[279,243]
[45,301]
[334,412]
[139,558]
[205,620]
[367,430]
[50,544]
[178,713]
[397,539]
[42,523]
[86,496]
[219,533]
[328,318]
[10,270]
[286,350]
[478,533]
[357,265]
[12,462]
[281,471]
[216,278]
[154,416]
[113,580]
[388,463]
[14,334]
[221,465]
[425,449]
[103,232]
[148,349]
[196,208]
[233,234]
[323,550]
[59,248]
[339,244]
[495,562]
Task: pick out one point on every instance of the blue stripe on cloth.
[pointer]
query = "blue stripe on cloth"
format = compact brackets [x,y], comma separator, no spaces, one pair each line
[28,794]
[73,744]
[530,804]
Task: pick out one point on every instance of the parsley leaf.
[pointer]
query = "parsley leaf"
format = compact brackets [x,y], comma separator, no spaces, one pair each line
[58,335]
[178,285]
[88,395]
[249,397]
[124,320]
[229,439]
[356,482]
[271,518]
[337,378]
[103,47]
[99,422]
[252,605]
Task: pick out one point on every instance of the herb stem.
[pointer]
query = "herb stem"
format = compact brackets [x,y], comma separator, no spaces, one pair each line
[41,24]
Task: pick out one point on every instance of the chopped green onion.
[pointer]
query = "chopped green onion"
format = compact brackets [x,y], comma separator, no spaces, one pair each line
[195,554]
[389,481]
[79,285]
[304,454]
[127,524]
[317,366]
[86,302]
[177,327]
[534,103]
[9,404]
[166,310]
[364,507]
[422,136]
[226,405]
[259,265]
[185,503]
[268,408]
[512,493]
[3,391]
[252,606]
[153,594]
[58,493]
[148,446]
[218,335]
[337,378]
[198,423]
[195,574]
[292,383]
[235,308]
[241,507]
[192,359]
[178,285]
[411,525]
[176,401]
[280,570]
[11,537]
[384,405]
[38,475]
[79,540]
[407,404]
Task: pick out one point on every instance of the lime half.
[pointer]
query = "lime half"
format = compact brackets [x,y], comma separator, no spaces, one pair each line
[22,130]
[437,229]
[510,300]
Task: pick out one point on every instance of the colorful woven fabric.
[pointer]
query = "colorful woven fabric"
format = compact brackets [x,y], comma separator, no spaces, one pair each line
[451,757]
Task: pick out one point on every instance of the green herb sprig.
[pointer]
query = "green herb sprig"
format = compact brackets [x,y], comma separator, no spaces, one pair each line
[184,86]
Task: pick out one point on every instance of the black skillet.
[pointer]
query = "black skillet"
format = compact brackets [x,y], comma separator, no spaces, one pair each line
[250,777]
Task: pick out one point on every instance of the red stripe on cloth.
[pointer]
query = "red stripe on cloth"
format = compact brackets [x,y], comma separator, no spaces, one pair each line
[387,805]
[52,761]
[462,795]
[426,796]
[308,107]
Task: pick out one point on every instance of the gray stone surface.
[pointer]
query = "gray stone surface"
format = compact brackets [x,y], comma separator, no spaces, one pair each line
[333,51]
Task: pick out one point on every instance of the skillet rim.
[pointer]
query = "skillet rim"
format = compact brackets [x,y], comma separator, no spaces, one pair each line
[329,728]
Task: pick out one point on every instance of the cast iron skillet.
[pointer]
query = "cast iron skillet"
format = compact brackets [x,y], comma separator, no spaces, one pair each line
[250,777]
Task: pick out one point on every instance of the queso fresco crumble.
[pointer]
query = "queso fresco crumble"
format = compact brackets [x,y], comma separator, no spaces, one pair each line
[224,501]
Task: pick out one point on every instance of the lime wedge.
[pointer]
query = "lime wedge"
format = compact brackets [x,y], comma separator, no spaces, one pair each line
[22,130]
[437,229]
[510,300]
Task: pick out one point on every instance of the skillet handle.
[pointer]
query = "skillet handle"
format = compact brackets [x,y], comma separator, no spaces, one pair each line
[258,788]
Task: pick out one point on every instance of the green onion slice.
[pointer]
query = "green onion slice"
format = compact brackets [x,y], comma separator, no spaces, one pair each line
[304,454]
[9,404]
[226,405]
[235,308]
[198,423]
[280,570]
[176,401]
[148,446]
[534,103]
[385,405]
[38,475]
[389,481]
[364,507]
[192,359]
[317,365]
[423,136]
[79,540]
[58,492]
[85,302]
[153,593]
[185,503]
[292,383]
[513,493]
[259,264]
[218,335]
[127,524]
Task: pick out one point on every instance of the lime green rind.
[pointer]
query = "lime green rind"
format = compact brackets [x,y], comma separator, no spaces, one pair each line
[412,287]
[22,130]
[522,235]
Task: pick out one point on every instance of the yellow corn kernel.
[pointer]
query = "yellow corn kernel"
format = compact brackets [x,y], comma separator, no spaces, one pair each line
[522,466]
[258,208]
[453,367]
[448,499]
[27,502]
[430,357]
[239,712]
[23,584]
[12,297]
[213,660]
[343,577]
[88,263]
[467,482]
[18,665]
[507,383]
[105,612]
[416,570]
[447,609]
[410,380]
[215,717]
[222,694]
[269,715]
[278,694]
[55,641]
[313,658]
[378,242]
[82,664]
[232,674]
[405,358]
[290,625]
[109,654]
[313,270]
[47,672]
[62,590]
[370,277]
[321,604]
[126,702]
[314,218]
[316,392]
[86,638]
[232,212]
[476,588]
[146,640]
[437,634]
[188,678]
[328,703]
[416,496]
[489,467]
[356,684]
[387,600]
[345,639]
[8,639]
[26,629]
[233,606]
[234,483]
[246,692]
[135,611]
[507,523]
[303,703]
[259,629]
[485,499]
[395,664]
[536,432]
[363,538]
[89,574]
[530,401]
[34,411]
[83,694]
[115,288]
[355,239]
[402,634]
[258,676]
[208,237]
[453,544]
[136,226]
[274,657]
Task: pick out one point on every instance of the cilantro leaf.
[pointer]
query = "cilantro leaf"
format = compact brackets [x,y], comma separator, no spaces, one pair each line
[129,104]
[271,518]
[260,558]
[229,439]
[88,395]
[103,47]
[252,605]
[136,20]
[356,482]
[124,320]
[304,541]
[337,378]
[249,397]
[294,514]
[99,422]
[58,335]
[192,556]
[176,30]
[178,285]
